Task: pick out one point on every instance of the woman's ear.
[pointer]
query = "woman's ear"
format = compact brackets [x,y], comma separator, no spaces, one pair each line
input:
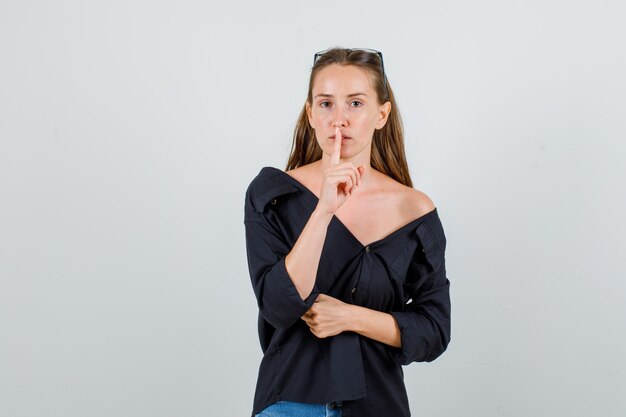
[383,114]
[307,107]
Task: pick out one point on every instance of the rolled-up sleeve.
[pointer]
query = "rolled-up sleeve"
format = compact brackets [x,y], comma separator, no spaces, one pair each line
[278,299]
[425,321]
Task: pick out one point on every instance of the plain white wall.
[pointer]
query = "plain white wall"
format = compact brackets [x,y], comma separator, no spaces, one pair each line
[130,130]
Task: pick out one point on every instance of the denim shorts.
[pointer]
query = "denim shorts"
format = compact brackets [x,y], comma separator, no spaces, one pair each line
[293,409]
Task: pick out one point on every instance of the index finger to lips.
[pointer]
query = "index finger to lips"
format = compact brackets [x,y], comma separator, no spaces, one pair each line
[334,158]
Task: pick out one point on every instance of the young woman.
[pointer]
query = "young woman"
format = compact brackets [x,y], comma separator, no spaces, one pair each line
[346,258]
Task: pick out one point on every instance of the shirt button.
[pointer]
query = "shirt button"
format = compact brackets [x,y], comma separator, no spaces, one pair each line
[273,201]
[334,405]
[353,290]
[367,249]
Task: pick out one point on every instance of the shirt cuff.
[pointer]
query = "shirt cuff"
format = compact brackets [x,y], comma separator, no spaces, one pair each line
[417,346]
[282,304]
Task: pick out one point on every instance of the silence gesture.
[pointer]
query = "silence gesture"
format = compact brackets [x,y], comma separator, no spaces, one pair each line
[339,179]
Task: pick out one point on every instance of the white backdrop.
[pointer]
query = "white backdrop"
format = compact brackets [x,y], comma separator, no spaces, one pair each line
[130,130]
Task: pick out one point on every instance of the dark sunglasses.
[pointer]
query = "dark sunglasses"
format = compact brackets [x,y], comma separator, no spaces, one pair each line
[371,51]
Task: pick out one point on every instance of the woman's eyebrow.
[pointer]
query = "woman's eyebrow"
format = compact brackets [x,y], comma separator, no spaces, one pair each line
[349,95]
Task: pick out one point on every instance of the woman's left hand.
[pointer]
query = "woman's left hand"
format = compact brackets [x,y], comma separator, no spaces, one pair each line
[328,316]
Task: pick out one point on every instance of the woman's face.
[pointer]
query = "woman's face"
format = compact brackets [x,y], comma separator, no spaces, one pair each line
[343,96]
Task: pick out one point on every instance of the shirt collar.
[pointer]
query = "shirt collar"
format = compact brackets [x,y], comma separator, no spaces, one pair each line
[271,185]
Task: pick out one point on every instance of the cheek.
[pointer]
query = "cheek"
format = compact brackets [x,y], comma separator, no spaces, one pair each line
[362,127]
[363,120]
[322,117]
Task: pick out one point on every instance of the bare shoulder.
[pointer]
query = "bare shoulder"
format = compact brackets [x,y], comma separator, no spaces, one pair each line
[303,171]
[412,202]
[417,202]
[307,176]
[406,203]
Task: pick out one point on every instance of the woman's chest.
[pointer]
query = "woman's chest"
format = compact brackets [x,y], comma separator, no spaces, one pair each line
[372,218]
[369,275]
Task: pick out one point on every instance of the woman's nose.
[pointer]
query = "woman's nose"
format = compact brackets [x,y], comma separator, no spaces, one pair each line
[339,118]
[339,121]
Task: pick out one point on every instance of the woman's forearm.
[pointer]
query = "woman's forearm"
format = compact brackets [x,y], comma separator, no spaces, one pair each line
[374,324]
[303,259]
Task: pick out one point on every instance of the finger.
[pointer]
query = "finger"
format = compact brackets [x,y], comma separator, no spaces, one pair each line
[336,155]
[352,170]
[342,179]
[354,181]
[354,173]
[361,171]
[348,170]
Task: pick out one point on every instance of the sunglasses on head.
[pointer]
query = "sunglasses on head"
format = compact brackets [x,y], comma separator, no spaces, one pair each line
[371,51]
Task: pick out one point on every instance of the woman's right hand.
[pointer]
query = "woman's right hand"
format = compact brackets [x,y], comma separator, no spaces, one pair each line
[339,180]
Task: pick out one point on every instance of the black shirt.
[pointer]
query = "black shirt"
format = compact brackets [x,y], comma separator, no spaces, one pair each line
[402,274]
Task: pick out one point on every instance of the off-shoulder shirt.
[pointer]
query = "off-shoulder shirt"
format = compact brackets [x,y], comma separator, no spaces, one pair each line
[402,274]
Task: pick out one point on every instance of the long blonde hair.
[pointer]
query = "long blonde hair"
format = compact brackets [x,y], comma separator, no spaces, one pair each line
[387,155]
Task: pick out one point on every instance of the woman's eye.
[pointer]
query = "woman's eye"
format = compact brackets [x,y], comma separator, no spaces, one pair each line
[326,104]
